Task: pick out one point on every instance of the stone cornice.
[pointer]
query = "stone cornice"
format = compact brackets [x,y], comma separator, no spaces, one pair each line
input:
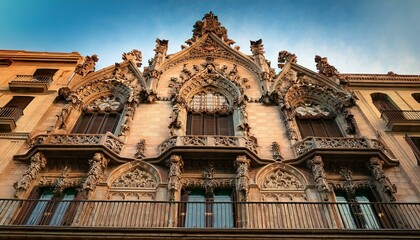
[21,55]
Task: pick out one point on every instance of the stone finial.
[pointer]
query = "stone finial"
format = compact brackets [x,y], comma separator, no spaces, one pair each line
[285,56]
[209,23]
[134,55]
[87,66]
[161,46]
[324,67]
[257,47]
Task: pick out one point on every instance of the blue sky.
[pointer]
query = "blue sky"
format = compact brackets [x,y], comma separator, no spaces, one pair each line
[357,36]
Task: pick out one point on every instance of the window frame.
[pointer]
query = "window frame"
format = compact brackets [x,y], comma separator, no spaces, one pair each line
[210,124]
[86,123]
[307,127]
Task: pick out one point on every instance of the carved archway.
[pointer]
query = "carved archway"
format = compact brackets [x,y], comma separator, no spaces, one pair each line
[134,180]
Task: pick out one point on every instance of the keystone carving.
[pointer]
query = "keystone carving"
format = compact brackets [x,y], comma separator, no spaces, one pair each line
[87,66]
[98,165]
[175,168]
[38,162]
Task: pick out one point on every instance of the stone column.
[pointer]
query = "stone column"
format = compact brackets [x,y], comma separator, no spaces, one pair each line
[98,165]
[375,167]
[316,165]
[38,162]
[174,182]
[242,177]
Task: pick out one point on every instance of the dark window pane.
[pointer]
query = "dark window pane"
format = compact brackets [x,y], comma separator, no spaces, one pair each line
[110,123]
[305,127]
[209,124]
[318,128]
[83,123]
[196,124]
[19,102]
[61,208]
[331,128]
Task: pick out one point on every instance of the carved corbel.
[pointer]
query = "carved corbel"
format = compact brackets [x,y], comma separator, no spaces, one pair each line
[375,167]
[316,165]
[174,176]
[98,165]
[242,177]
[38,162]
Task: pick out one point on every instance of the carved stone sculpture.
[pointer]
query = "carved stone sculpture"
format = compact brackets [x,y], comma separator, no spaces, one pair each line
[87,66]
[324,67]
[135,55]
[137,178]
[98,165]
[316,165]
[375,166]
[275,148]
[141,147]
[174,177]
[175,123]
[285,56]
[351,123]
[38,162]
[209,184]
[242,177]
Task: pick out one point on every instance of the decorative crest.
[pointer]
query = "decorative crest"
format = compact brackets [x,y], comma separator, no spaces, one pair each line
[209,23]
[285,56]
[87,66]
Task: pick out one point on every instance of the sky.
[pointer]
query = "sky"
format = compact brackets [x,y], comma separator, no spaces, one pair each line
[357,36]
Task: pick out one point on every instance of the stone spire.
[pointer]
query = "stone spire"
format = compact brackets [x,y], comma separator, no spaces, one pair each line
[209,24]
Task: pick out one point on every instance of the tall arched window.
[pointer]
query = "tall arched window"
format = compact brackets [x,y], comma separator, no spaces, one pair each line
[209,114]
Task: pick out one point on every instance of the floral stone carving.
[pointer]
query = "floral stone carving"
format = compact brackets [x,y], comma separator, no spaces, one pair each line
[280,179]
[87,66]
[97,167]
[138,178]
[316,165]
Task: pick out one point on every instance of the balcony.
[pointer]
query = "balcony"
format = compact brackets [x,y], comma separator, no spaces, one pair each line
[344,147]
[76,145]
[159,218]
[30,83]
[8,118]
[402,120]
[209,144]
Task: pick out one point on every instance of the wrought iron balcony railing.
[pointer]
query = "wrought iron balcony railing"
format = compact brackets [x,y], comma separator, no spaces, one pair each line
[209,141]
[339,143]
[108,140]
[233,215]
[35,83]
[8,118]
[402,120]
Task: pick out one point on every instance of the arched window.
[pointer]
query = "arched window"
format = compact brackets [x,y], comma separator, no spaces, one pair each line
[209,114]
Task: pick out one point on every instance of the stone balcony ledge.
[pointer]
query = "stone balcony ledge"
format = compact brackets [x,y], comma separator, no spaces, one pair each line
[31,83]
[343,146]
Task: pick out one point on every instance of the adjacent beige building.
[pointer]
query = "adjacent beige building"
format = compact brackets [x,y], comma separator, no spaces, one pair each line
[205,143]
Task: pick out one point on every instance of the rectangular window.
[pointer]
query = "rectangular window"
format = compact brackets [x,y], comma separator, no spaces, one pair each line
[318,128]
[44,75]
[44,207]
[357,211]
[210,124]
[414,143]
[97,123]
[20,102]
[199,210]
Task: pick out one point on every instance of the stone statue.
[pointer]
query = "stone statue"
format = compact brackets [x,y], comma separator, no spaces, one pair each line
[38,162]
[174,175]
[98,165]
[324,67]
[242,176]
[316,165]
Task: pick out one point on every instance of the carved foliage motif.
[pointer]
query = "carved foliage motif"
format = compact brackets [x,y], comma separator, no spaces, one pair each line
[135,55]
[141,147]
[38,162]
[285,56]
[282,180]
[137,178]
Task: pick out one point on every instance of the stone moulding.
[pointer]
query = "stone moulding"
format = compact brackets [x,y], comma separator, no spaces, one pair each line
[209,141]
[107,140]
